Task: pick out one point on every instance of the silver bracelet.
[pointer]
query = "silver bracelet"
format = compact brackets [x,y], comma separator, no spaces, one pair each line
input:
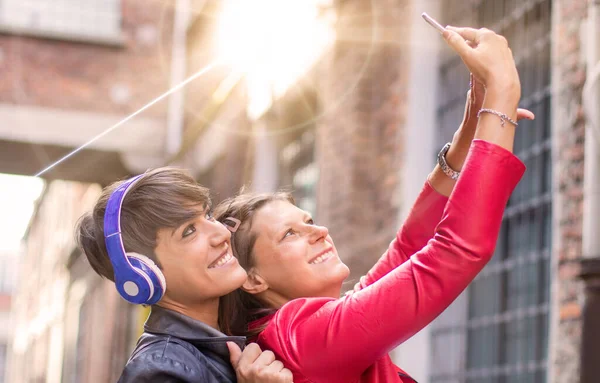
[444,165]
[503,117]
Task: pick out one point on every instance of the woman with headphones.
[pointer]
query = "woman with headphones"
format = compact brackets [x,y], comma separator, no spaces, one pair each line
[153,236]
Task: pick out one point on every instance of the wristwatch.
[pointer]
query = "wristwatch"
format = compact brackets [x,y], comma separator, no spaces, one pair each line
[444,165]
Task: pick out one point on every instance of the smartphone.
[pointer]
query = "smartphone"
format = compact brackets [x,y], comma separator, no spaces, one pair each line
[432,22]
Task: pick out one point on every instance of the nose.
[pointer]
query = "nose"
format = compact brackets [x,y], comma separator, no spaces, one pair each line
[219,234]
[318,233]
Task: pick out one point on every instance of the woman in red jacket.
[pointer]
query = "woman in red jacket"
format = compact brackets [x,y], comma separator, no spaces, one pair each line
[290,301]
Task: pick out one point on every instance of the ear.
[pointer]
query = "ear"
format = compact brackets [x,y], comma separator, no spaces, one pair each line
[255,284]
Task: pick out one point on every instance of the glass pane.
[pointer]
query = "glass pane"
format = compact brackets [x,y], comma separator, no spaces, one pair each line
[490,351]
[545,280]
[544,65]
[528,179]
[540,376]
[500,252]
[547,233]
[484,295]
[527,73]
[530,343]
[509,351]
[513,237]
[544,116]
[512,287]
[547,172]
[531,285]
[543,337]
[535,232]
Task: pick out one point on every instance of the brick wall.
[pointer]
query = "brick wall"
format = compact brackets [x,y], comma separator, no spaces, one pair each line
[363,97]
[569,130]
[93,77]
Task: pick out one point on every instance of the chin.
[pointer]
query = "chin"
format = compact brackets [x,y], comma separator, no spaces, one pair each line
[233,280]
[240,275]
[340,273]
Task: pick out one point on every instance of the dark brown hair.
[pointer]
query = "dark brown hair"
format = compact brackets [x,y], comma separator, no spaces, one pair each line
[163,198]
[239,308]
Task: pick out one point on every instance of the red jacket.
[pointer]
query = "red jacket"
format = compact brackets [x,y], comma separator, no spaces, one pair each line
[439,250]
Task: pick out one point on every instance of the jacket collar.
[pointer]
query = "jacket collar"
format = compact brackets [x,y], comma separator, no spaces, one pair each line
[168,322]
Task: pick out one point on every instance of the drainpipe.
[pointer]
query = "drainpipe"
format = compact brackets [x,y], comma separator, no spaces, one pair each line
[175,113]
[590,265]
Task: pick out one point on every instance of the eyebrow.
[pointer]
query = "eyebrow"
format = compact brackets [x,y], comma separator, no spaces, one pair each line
[305,216]
[205,209]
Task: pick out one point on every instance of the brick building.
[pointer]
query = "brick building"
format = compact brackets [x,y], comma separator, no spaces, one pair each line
[73,70]
[69,325]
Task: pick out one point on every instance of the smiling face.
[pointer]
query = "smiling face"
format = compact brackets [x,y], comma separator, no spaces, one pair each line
[294,256]
[197,261]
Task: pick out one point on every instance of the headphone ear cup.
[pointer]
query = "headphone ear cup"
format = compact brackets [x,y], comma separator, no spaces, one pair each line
[149,268]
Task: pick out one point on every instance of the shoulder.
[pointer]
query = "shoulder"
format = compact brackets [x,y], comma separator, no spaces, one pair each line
[292,319]
[164,359]
[295,334]
[300,310]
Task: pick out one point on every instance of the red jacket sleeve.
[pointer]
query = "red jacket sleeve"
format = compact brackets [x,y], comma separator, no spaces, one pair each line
[340,338]
[418,228]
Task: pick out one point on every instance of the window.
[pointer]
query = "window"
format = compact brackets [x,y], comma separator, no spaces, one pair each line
[94,20]
[507,306]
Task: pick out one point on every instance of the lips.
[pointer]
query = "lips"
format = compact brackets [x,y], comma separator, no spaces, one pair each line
[324,256]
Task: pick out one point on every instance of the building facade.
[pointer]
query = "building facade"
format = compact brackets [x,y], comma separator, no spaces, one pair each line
[77,69]
[9,268]
[69,324]
[73,70]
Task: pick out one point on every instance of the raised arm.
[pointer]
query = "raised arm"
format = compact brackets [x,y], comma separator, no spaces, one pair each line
[426,212]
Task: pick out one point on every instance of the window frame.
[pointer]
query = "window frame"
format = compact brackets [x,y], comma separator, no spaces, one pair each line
[116,39]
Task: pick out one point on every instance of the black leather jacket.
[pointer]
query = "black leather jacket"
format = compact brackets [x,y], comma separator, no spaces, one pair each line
[177,348]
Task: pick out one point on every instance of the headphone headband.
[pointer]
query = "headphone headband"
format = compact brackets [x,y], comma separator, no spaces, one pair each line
[112,224]
[137,278]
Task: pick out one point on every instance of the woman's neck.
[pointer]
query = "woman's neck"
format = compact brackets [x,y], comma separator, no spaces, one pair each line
[204,311]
